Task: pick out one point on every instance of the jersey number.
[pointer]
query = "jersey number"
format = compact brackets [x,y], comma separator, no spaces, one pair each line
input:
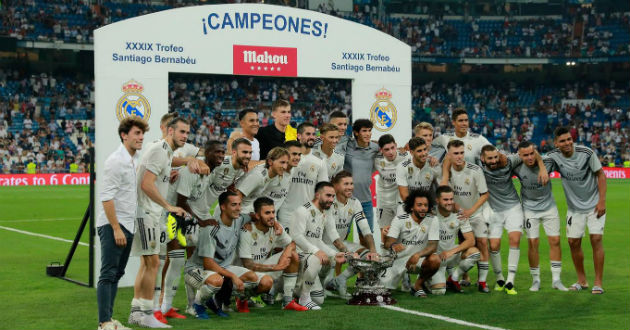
[569,220]
[528,224]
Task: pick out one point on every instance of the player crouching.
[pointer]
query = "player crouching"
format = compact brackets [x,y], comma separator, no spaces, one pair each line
[256,244]
[456,259]
[414,236]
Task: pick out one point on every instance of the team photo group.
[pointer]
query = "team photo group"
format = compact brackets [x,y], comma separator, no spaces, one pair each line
[266,218]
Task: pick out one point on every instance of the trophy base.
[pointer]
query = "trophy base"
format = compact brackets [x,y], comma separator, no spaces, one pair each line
[371,299]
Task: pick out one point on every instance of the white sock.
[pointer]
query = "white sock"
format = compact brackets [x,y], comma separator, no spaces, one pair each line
[497,267]
[146,305]
[556,269]
[513,256]
[535,272]
[158,285]
[345,275]
[206,291]
[190,294]
[311,271]
[173,273]
[135,305]
[288,285]
[483,270]
[465,265]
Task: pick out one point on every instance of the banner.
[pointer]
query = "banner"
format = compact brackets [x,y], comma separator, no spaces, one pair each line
[58,179]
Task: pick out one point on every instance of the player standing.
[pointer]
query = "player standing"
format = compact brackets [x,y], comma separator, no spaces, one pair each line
[584,183]
[539,207]
[387,195]
[325,151]
[153,178]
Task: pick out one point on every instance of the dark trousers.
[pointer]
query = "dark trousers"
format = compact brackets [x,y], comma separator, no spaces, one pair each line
[113,262]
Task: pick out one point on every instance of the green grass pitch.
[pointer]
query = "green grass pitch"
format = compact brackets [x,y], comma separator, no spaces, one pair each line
[31,300]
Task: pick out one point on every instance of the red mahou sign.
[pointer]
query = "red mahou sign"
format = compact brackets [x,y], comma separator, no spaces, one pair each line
[265,61]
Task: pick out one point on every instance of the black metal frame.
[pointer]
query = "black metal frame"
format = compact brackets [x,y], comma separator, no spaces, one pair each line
[88,217]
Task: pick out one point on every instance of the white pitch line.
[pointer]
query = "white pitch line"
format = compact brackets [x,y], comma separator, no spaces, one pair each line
[443,318]
[41,235]
[38,220]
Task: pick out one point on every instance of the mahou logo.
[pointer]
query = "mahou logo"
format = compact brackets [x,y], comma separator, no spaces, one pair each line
[265,61]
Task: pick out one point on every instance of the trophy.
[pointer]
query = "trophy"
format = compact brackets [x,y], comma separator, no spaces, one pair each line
[369,290]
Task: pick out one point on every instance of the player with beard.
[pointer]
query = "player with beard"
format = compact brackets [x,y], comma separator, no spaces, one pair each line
[191,193]
[539,207]
[456,259]
[273,173]
[346,210]
[304,177]
[313,221]
[211,263]
[387,195]
[584,183]
[231,169]
[154,174]
[325,151]
[507,212]
[256,245]
[414,236]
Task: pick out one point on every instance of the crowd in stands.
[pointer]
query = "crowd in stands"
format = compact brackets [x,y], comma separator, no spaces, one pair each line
[579,32]
[48,120]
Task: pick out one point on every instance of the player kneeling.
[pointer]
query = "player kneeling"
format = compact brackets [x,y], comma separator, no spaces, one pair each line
[256,244]
[457,259]
[211,263]
[414,236]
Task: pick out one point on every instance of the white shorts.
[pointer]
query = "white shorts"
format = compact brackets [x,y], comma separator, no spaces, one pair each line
[577,221]
[479,225]
[450,263]
[394,274]
[148,236]
[385,215]
[285,217]
[549,219]
[196,277]
[272,260]
[510,219]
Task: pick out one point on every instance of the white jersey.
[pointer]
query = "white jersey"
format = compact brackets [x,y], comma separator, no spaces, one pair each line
[415,178]
[467,185]
[255,148]
[188,150]
[157,160]
[222,177]
[195,188]
[252,186]
[334,163]
[309,227]
[386,187]
[472,144]
[345,214]
[257,245]
[414,236]
[304,177]
[449,226]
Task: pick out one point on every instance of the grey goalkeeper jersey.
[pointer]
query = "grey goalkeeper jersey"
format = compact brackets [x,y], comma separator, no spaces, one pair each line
[536,197]
[578,177]
[503,195]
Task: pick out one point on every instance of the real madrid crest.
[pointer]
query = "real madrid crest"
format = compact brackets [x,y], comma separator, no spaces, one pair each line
[133,103]
[410,170]
[255,236]
[333,166]
[383,164]
[312,168]
[383,112]
[408,225]
[469,147]
[424,229]
[349,211]
[467,181]
[428,177]
[452,225]
[313,213]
